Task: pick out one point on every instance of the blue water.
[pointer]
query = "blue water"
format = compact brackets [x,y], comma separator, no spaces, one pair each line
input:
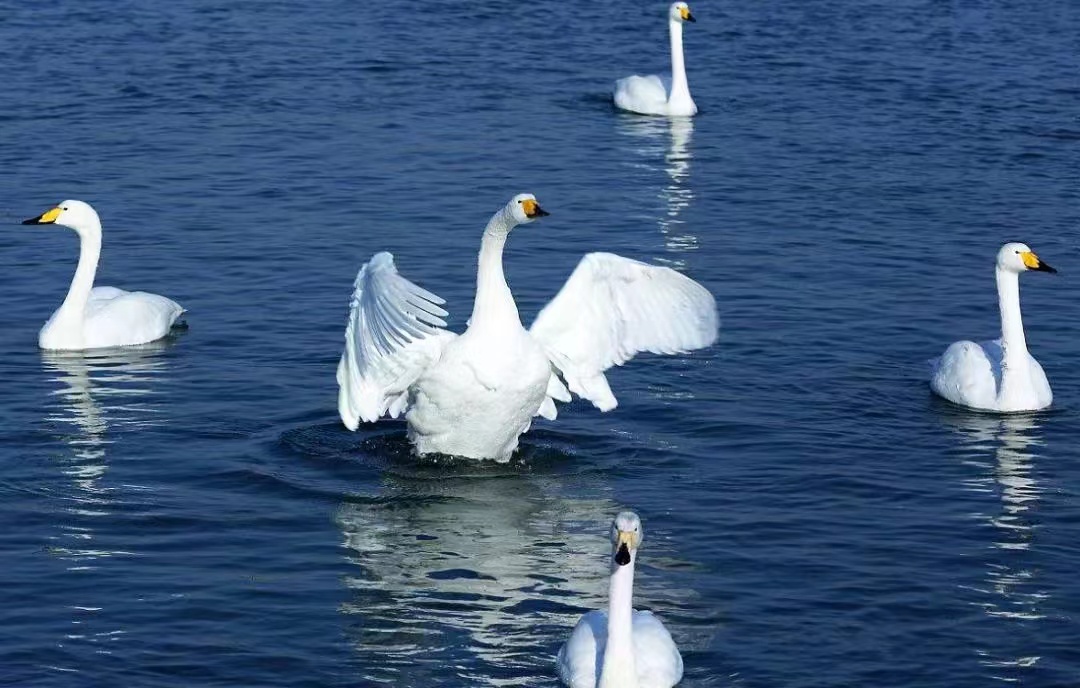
[193,514]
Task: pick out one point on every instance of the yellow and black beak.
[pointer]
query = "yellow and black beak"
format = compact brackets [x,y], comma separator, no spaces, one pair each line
[686,16]
[533,209]
[622,547]
[1033,262]
[46,218]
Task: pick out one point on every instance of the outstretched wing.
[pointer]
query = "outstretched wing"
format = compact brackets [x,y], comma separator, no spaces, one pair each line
[610,309]
[393,335]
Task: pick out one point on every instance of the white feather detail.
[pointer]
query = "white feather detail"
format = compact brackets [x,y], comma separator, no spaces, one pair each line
[393,334]
[612,308]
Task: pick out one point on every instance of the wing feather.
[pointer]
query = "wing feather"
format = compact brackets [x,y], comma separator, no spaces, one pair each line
[658,660]
[393,334]
[613,308]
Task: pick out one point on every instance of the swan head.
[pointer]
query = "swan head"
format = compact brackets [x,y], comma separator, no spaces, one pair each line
[75,214]
[1017,257]
[524,208]
[680,12]
[626,536]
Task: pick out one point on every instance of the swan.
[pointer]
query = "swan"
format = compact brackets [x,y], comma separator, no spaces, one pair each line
[998,375]
[621,648]
[98,317]
[661,95]
[474,394]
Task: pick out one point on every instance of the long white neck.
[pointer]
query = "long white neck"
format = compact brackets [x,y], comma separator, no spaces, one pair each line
[680,89]
[1013,342]
[73,311]
[619,669]
[494,303]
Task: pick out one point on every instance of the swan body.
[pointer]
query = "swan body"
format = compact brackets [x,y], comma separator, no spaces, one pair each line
[661,95]
[503,374]
[474,394]
[998,375]
[621,647]
[99,317]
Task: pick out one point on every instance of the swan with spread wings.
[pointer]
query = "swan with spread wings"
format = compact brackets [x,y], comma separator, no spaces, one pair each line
[474,394]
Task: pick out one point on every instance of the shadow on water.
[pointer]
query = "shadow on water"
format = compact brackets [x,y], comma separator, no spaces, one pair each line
[1003,450]
[594,101]
[470,573]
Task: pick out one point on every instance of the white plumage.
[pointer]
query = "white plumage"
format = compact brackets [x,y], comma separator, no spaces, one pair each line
[473,395]
[998,375]
[612,308]
[661,95]
[394,335]
[620,647]
[99,317]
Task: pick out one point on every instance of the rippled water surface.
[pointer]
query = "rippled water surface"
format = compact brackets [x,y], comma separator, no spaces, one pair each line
[193,514]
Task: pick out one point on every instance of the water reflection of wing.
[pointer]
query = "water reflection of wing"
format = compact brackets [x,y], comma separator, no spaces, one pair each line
[1003,448]
[98,390]
[484,564]
[675,193]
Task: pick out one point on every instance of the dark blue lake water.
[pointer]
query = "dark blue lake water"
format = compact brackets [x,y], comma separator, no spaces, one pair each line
[194,514]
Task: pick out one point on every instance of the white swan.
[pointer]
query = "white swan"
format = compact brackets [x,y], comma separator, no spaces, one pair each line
[661,95]
[473,395]
[97,317]
[998,375]
[621,648]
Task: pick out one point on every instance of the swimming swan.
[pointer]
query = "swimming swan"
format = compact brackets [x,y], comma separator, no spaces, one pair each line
[621,648]
[998,375]
[97,317]
[661,95]
[473,395]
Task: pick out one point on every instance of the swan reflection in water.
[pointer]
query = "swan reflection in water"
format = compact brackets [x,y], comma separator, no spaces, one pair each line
[499,565]
[1011,591]
[674,134]
[99,393]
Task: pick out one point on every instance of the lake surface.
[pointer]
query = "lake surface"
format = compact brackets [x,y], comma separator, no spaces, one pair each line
[194,514]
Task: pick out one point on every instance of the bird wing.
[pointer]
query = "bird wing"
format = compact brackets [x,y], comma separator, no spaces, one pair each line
[659,664]
[578,659]
[642,92]
[968,374]
[393,334]
[115,317]
[99,295]
[612,308]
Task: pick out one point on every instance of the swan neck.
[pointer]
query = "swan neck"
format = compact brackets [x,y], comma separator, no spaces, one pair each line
[494,303]
[679,86]
[619,669]
[74,306]
[1013,342]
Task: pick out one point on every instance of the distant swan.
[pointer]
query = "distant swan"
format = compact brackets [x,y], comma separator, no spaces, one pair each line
[98,317]
[661,95]
[473,395]
[998,375]
[621,648]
